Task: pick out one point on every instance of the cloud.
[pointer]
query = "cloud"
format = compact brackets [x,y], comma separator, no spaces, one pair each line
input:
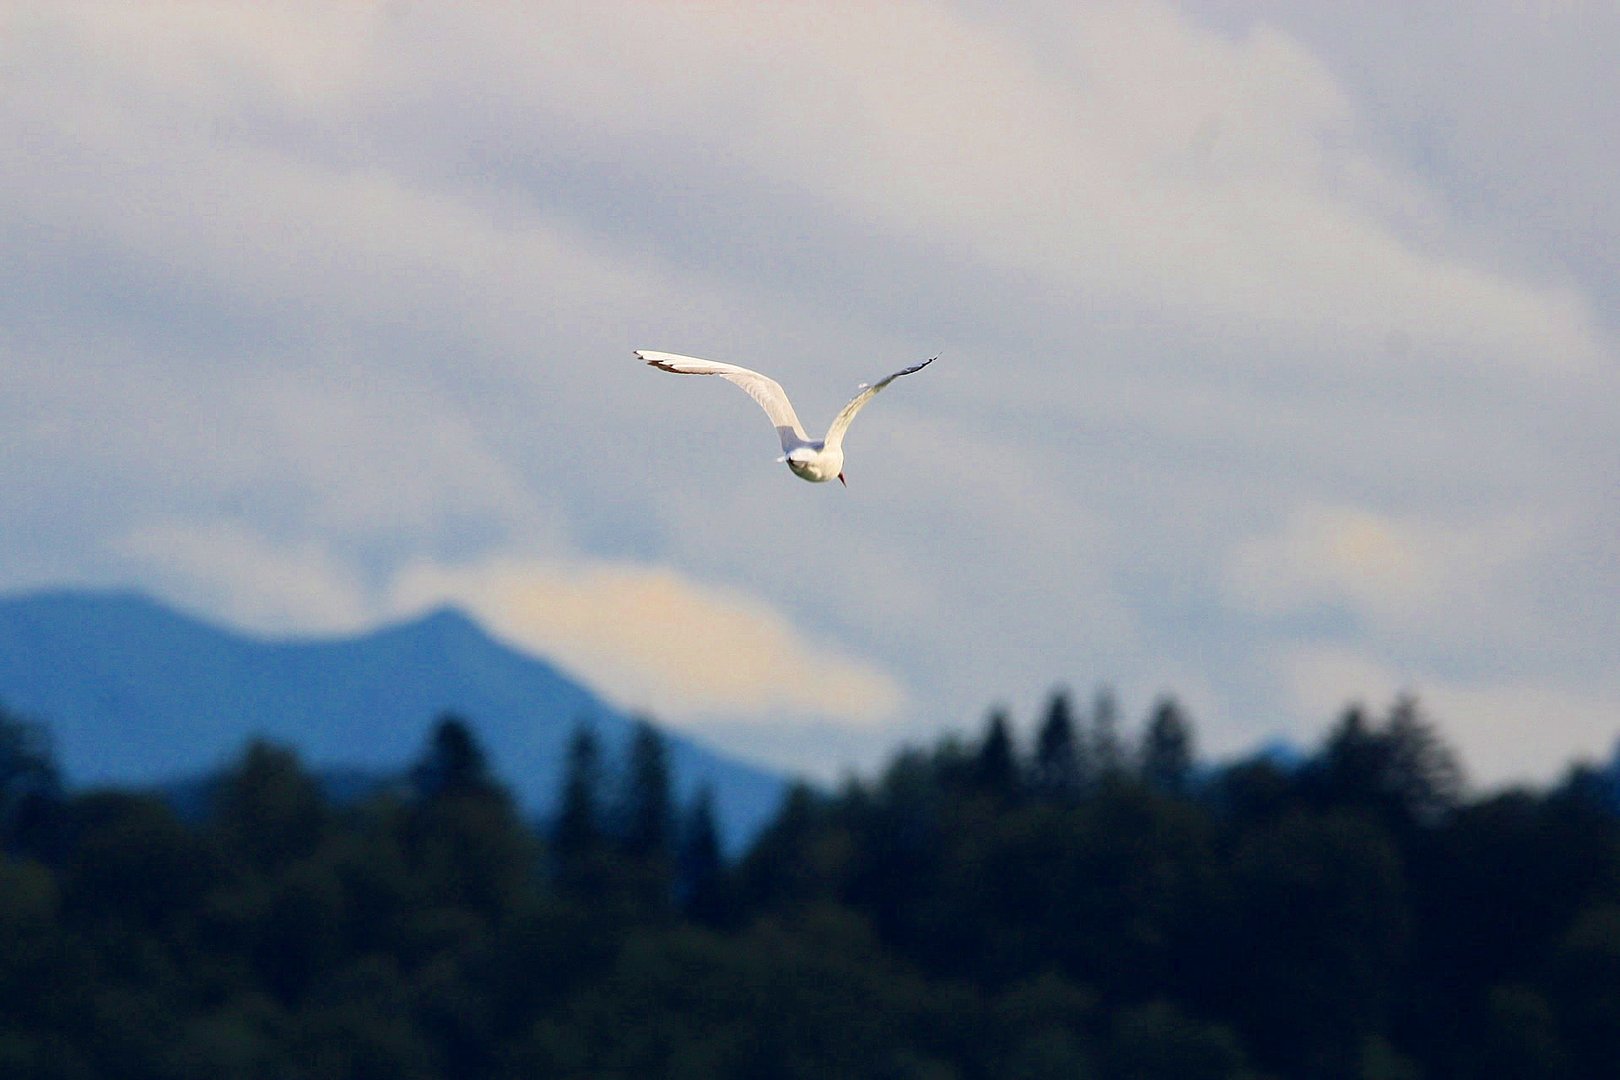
[1495,120]
[1151,166]
[1279,320]
[249,579]
[1404,575]
[318,444]
[656,639]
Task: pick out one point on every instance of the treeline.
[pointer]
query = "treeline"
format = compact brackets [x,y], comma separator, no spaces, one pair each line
[1079,904]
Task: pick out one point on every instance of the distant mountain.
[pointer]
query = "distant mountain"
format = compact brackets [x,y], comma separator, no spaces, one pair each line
[138,694]
[1279,752]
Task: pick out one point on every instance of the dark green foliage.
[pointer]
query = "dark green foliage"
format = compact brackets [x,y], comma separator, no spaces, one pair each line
[1422,775]
[643,872]
[268,810]
[1167,750]
[1586,988]
[969,914]
[1523,1040]
[1107,750]
[1158,1041]
[578,847]
[799,858]
[473,850]
[646,805]
[30,789]
[812,998]
[454,762]
[1060,769]
[1253,791]
[995,773]
[579,814]
[1402,772]
[701,885]
[1331,889]
[134,869]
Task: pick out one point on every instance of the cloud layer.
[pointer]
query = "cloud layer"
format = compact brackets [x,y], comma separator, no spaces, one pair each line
[1278,347]
[652,638]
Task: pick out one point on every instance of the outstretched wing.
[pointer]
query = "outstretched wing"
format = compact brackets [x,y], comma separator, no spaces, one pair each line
[840,424]
[764,390]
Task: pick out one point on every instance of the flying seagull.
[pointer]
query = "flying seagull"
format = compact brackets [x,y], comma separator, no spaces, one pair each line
[815,460]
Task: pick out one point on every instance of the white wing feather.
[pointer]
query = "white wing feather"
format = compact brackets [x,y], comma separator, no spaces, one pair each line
[840,424]
[766,391]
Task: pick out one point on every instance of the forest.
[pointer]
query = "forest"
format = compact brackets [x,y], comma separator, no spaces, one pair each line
[1078,902]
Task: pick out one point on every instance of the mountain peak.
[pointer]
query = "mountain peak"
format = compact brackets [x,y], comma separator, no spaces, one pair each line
[137,693]
[445,621]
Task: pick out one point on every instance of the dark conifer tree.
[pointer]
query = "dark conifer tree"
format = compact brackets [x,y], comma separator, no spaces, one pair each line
[464,835]
[700,869]
[1421,773]
[995,769]
[1058,770]
[576,834]
[1107,749]
[30,789]
[1403,773]
[454,763]
[1347,771]
[1167,750]
[1349,917]
[269,808]
[646,804]
[779,869]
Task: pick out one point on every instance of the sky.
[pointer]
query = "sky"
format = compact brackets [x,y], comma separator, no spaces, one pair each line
[1279,350]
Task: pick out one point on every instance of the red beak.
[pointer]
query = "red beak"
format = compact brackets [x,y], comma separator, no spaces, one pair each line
[841,480]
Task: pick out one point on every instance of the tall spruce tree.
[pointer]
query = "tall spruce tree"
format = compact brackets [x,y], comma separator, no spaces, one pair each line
[995,768]
[576,833]
[646,804]
[1351,770]
[699,866]
[1167,750]
[1422,774]
[1058,769]
[454,763]
[30,788]
[1107,748]
[464,835]
[269,808]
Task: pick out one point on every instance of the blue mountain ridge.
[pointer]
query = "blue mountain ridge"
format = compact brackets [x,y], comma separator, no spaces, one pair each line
[136,693]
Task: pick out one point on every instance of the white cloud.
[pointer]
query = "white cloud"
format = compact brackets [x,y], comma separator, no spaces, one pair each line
[1402,575]
[1144,162]
[252,581]
[653,638]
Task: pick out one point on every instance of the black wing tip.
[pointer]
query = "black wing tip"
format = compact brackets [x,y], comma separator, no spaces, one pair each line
[887,379]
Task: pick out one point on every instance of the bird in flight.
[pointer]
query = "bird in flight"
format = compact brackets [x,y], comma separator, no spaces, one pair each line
[815,460]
